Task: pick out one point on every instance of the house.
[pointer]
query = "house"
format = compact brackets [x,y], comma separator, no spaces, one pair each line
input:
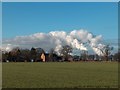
[43,57]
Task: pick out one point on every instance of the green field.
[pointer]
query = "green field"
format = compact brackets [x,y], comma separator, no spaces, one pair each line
[60,75]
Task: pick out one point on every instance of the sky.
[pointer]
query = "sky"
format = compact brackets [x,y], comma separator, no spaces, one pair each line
[28,18]
[60,1]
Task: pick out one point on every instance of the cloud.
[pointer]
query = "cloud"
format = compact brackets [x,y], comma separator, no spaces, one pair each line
[77,39]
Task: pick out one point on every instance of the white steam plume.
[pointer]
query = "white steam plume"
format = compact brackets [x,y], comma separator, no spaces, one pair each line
[77,39]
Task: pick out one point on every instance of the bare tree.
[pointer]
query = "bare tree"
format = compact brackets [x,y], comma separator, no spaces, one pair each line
[65,52]
[117,55]
[25,54]
[106,51]
[84,55]
[33,53]
[51,52]
[14,54]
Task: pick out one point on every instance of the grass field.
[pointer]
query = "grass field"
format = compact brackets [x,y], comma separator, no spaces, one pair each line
[60,75]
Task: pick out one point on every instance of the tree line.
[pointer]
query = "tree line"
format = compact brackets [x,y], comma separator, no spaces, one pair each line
[34,55]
